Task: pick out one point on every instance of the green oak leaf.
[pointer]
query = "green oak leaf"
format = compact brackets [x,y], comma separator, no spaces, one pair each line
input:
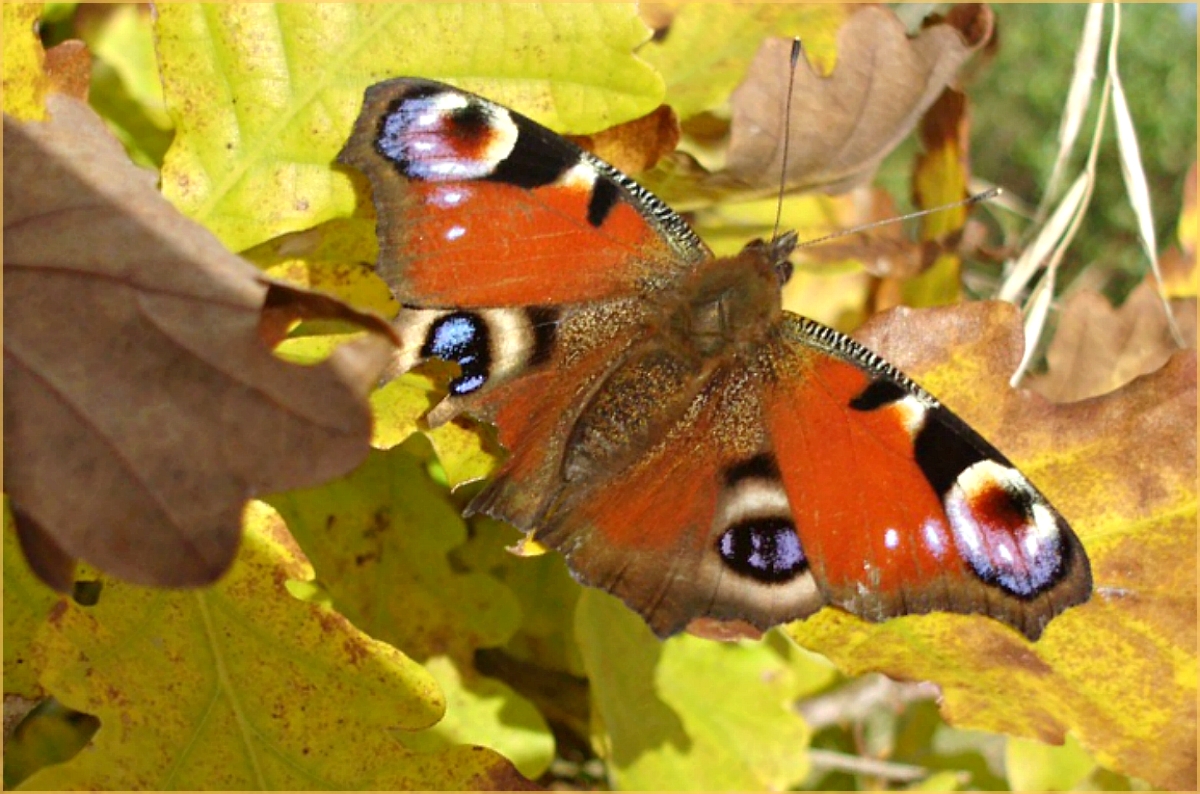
[27,603]
[689,713]
[241,686]
[709,45]
[1033,766]
[379,540]
[263,96]
[125,88]
[485,711]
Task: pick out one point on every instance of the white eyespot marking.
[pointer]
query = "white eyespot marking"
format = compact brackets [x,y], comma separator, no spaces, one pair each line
[513,341]
[455,232]
[433,109]
[582,175]
[755,535]
[891,538]
[935,537]
[446,137]
[412,325]
[510,339]
[1032,543]
[738,596]
[752,498]
[1004,528]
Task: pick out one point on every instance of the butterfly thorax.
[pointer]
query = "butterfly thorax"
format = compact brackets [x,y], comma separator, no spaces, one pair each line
[727,306]
[722,312]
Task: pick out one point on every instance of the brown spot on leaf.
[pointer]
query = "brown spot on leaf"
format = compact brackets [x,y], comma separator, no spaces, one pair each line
[57,611]
[356,650]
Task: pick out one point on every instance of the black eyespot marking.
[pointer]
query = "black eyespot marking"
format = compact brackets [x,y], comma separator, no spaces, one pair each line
[463,338]
[543,322]
[471,123]
[761,467]
[879,393]
[538,158]
[604,198]
[765,549]
[944,449]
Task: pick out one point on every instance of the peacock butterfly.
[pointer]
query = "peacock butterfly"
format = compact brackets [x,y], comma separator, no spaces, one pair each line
[684,442]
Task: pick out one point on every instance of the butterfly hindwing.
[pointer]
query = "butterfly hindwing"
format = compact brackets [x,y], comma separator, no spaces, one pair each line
[697,525]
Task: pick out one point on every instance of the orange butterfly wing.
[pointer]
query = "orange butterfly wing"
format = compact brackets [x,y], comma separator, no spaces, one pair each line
[464,188]
[900,506]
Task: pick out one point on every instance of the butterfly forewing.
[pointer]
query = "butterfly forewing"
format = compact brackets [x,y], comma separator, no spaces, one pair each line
[464,189]
[933,517]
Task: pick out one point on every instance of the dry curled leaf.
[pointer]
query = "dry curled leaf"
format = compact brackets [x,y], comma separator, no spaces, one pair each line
[843,125]
[943,170]
[141,407]
[637,145]
[1098,348]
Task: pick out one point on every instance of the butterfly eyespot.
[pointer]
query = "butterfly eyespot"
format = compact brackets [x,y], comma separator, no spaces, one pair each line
[1004,530]
[445,136]
[766,549]
[461,337]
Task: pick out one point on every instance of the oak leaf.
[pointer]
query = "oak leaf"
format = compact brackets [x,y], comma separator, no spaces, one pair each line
[379,540]
[1097,348]
[842,126]
[635,145]
[142,407]
[244,686]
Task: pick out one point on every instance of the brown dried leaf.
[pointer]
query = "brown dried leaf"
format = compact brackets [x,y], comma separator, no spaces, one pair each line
[140,405]
[843,125]
[1098,348]
[942,171]
[637,145]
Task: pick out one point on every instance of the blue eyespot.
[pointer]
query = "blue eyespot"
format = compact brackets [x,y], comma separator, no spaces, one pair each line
[461,337]
[766,549]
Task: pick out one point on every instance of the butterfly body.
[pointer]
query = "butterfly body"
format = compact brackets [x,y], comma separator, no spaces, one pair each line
[681,439]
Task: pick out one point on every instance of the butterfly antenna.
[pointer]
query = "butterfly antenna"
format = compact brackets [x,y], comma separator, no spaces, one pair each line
[787,134]
[978,198]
